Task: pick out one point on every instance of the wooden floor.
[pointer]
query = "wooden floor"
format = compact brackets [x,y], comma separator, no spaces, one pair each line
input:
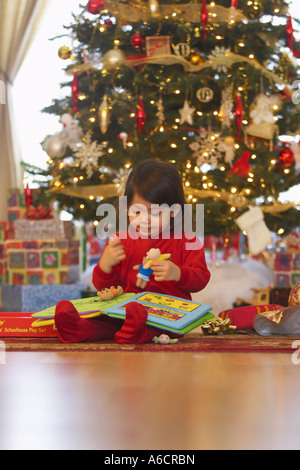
[158,401]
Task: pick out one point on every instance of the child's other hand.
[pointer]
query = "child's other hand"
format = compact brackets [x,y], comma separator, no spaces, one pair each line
[113,254]
[165,271]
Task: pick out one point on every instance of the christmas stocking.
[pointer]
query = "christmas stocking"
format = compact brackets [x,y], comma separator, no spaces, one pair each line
[259,236]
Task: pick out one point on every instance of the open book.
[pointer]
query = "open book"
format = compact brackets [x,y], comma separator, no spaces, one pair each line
[164,311]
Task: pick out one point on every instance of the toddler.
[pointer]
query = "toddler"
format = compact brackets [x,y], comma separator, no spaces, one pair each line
[179,272]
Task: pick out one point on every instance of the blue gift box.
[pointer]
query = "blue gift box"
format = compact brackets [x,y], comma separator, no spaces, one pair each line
[32,299]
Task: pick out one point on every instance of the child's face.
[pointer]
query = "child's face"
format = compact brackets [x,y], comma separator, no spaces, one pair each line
[147,219]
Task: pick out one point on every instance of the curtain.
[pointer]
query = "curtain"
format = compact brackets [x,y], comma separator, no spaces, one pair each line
[19,21]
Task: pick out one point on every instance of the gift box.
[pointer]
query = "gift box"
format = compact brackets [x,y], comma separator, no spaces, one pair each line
[20,298]
[45,229]
[42,262]
[286,269]
[7,231]
[23,325]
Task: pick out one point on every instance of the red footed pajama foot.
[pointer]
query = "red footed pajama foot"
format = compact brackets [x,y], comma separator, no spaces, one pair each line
[67,322]
[134,329]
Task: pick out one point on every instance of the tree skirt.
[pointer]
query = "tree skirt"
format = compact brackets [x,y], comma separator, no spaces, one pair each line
[191,343]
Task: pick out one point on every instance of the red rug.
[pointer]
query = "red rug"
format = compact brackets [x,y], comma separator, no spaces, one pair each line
[191,343]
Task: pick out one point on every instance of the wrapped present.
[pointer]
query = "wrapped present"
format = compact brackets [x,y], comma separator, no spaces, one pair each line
[7,231]
[42,262]
[22,325]
[48,229]
[286,268]
[19,298]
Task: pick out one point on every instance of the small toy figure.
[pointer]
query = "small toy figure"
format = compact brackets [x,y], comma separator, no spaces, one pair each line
[109,294]
[145,270]
[164,339]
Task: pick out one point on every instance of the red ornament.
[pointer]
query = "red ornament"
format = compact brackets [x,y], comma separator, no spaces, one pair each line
[290,33]
[239,113]
[242,166]
[286,158]
[141,116]
[296,52]
[75,92]
[95,6]
[204,18]
[28,197]
[234,3]
[137,41]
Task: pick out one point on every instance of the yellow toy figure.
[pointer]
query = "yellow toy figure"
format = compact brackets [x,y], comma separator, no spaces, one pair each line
[145,270]
[155,255]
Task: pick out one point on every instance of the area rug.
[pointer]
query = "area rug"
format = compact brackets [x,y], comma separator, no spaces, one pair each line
[191,343]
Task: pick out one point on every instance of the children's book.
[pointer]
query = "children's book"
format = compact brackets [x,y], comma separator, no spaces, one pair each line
[164,311]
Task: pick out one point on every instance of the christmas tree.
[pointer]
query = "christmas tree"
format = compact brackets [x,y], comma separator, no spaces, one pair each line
[207,87]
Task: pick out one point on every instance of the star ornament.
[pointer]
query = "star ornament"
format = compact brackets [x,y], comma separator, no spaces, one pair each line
[187,113]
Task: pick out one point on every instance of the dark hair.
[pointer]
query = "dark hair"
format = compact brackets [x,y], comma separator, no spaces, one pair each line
[157,182]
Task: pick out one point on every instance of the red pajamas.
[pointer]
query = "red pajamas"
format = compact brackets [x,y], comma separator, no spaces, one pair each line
[194,277]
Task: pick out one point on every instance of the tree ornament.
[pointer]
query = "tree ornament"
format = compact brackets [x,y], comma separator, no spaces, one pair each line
[228,147]
[72,131]
[196,58]
[220,53]
[295,148]
[285,159]
[204,18]
[207,148]
[187,113]
[290,33]
[262,116]
[160,111]
[182,49]
[154,8]
[239,113]
[137,41]
[113,58]
[95,6]
[104,115]
[64,53]
[75,92]
[241,167]
[205,95]
[55,145]
[234,3]
[28,197]
[124,137]
[141,115]
[225,112]
[87,155]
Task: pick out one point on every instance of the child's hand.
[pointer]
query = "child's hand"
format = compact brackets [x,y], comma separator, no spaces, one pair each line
[113,254]
[165,271]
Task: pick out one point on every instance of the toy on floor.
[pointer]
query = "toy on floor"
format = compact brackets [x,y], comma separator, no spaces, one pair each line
[109,294]
[164,339]
[218,326]
[145,270]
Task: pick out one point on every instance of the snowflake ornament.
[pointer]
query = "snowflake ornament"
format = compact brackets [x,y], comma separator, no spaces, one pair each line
[88,154]
[219,53]
[121,179]
[207,148]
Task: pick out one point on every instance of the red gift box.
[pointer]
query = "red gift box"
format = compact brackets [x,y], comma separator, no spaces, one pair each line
[22,325]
